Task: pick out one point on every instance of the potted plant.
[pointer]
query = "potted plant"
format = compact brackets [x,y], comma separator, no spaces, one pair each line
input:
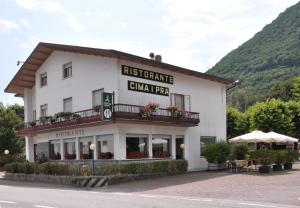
[76,117]
[291,157]
[52,119]
[279,157]
[264,158]
[239,151]
[148,110]
[175,112]
[97,108]
[216,155]
[32,123]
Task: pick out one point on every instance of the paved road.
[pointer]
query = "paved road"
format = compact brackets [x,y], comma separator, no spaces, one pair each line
[26,195]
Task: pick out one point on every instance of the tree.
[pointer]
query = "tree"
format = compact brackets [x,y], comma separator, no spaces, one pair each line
[8,122]
[237,123]
[294,107]
[296,88]
[282,91]
[271,115]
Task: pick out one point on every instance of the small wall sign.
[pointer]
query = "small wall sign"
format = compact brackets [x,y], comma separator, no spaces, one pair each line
[145,74]
[73,133]
[148,88]
[107,105]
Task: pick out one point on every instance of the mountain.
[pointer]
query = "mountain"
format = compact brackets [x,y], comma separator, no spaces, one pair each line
[271,57]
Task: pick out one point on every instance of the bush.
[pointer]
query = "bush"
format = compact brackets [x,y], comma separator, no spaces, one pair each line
[5,159]
[279,156]
[262,157]
[239,151]
[217,152]
[292,156]
[170,166]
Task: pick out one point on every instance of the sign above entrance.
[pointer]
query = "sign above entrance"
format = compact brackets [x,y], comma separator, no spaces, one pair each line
[148,88]
[107,105]
[145,74]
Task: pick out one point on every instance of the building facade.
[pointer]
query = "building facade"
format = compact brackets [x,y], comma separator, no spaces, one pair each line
[127,106]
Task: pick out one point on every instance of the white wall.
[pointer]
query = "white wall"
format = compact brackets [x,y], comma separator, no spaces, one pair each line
[88,73]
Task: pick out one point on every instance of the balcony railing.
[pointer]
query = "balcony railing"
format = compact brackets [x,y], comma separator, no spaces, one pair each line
[121,112]
[133,112]
[61,121]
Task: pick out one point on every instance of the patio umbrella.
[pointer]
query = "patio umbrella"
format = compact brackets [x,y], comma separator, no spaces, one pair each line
[252,137]
[159,141]
[281,138]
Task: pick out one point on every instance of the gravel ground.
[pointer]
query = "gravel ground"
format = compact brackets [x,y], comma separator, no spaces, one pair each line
[282,187]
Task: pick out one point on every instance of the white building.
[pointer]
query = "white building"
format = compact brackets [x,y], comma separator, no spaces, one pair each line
[62,78]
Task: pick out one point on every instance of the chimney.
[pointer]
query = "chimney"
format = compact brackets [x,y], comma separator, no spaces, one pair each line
[151,55]
[158,58]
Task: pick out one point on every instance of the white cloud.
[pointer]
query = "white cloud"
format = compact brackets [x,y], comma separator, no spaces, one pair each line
[74,23]
[202,32]
[43,5]
[24,22]
[51,6]
[7,25]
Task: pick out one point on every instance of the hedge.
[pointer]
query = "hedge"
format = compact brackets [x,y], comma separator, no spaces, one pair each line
[170,166]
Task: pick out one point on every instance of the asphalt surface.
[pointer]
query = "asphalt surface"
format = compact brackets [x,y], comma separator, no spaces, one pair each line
[22,195]
[198,189]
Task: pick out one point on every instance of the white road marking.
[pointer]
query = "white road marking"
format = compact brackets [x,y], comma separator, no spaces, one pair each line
[7,202]
[43,206]
[258,205]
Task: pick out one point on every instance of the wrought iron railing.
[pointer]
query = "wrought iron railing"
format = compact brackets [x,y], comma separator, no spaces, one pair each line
[136,111]
[63,118]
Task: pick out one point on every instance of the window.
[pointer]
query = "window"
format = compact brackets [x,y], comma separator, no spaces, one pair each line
[43,79]
[105,146]
[85,151]
[68,105]
[204,140]
[70,150]
[67,70]
[97,97]
[161,146]
[178,101]
[44,110]
[136,147]
[55,153]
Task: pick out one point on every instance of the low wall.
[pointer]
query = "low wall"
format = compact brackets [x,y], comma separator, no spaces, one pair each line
[81,181]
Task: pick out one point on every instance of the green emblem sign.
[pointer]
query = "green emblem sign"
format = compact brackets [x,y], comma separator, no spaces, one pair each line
[107,105]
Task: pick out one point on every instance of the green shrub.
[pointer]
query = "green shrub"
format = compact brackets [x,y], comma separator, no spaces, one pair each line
[5,159]
[170,166]
[239,151]
[217,152]
[292,156]
[262,157]
[279,156]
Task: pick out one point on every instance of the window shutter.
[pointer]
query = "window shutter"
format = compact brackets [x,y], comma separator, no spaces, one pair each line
[187,103]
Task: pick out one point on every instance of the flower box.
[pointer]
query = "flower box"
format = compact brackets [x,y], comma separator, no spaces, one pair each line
[70,156]
[137,155]
[161,154]
[105,155]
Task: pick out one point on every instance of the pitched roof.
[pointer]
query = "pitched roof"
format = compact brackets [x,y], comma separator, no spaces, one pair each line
[25,77]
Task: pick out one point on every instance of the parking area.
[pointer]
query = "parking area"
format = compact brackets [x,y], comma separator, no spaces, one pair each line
[277,187]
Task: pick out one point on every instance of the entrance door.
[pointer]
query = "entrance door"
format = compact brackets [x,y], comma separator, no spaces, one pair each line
[179,148]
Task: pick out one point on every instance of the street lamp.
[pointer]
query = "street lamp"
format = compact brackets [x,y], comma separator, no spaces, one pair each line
[93,147]
[6,152]
[234,84]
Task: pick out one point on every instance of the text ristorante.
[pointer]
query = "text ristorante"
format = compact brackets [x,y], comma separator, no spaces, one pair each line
[145,74]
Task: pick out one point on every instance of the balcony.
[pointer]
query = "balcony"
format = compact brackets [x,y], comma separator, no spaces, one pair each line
[132,113]
[122,113]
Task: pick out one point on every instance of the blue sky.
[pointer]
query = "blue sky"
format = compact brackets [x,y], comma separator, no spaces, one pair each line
[192,33]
